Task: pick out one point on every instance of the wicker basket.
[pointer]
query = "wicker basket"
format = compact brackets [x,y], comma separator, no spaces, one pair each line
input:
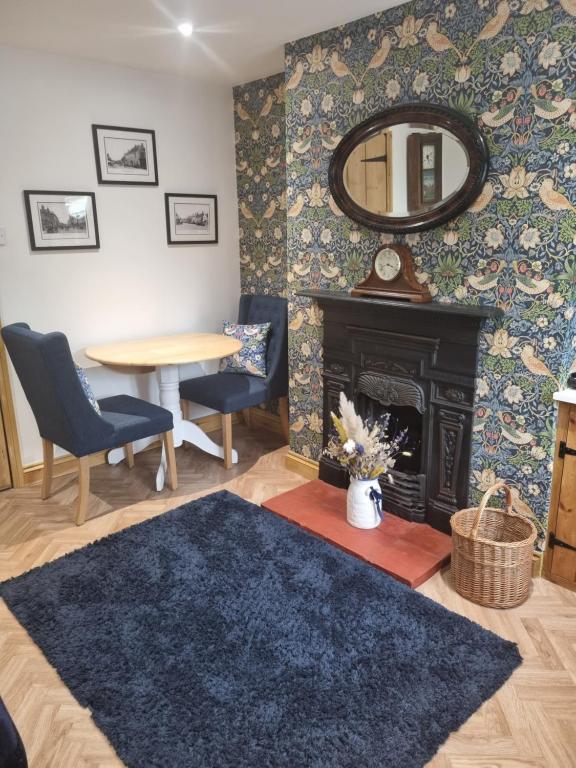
[492,553]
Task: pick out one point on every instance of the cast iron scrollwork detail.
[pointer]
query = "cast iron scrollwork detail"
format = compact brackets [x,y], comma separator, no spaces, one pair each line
[451,426]
[336,368]
[455,395]
[391,365]
[389,390]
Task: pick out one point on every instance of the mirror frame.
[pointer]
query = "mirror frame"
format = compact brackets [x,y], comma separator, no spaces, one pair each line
[431,114]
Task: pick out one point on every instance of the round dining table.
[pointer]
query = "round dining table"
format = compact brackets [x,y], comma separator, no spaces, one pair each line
[164,354]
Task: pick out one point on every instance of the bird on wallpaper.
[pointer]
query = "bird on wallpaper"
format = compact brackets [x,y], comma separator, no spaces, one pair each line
[296,206]
[553,199]
[297,321]
[488,279]
[266,107]
[516,436]
[440,42]
[333,207]
[246,212]
[483,198]
[268,213]
[520,505]
[527,284]
[294,79]
[437,40]
[547,106]
[534,364]
[299,424]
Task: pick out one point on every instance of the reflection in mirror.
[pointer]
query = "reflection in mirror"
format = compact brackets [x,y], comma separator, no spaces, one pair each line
[406,169]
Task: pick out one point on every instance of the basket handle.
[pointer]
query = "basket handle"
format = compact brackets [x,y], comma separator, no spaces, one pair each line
[485,499]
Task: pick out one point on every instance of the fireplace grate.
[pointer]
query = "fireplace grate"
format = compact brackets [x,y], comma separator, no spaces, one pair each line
[406,495]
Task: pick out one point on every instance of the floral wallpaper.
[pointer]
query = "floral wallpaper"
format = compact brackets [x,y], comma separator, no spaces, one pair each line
[510,65]
[259,121]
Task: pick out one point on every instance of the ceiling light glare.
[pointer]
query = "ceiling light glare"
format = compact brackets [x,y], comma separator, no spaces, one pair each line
[185,29]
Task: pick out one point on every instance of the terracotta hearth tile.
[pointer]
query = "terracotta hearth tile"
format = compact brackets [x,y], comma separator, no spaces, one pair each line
[410,552]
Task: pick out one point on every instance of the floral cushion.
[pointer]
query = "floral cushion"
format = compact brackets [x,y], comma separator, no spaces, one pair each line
[87,388]
[252,357]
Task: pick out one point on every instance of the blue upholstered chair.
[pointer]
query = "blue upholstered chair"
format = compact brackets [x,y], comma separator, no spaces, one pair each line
[65,416]
[229,393]
[12,753]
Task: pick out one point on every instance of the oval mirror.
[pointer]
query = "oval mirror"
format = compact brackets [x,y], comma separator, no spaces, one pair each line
[409,168]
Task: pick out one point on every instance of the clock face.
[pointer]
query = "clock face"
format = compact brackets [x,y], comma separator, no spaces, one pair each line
[428,156]
[387,264]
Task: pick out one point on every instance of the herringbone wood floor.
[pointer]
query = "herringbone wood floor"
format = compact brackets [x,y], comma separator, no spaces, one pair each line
[531,721]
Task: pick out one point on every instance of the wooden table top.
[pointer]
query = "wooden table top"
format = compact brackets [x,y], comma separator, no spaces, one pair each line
[165,350]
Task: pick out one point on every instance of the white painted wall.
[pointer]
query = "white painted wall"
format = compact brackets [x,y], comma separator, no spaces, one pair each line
[135,285]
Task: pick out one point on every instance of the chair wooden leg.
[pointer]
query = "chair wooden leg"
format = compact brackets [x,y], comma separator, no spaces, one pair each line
[247,416]
[168,440]
[84,492]
[47,473]
[129,453]
[227,439]
[185,408]
[284,417]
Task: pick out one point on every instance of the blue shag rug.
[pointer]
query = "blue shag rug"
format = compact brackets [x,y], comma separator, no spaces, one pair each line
[221,636]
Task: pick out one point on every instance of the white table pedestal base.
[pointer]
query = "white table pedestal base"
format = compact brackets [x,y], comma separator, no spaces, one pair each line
[184,430]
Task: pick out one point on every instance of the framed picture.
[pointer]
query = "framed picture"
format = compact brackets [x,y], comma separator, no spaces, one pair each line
[125,155]
[61,220]
[424,170]
[191,218]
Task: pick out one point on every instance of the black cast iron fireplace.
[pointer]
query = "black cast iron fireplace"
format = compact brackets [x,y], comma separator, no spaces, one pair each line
[416,362]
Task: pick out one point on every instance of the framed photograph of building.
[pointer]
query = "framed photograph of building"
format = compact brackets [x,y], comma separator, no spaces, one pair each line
[61,220]
[191,219]
[125,155]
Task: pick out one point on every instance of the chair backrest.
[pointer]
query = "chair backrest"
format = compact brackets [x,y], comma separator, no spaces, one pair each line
[48,376]
[255,308]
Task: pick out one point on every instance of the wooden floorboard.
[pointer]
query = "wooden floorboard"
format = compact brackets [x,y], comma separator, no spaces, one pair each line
[529,723]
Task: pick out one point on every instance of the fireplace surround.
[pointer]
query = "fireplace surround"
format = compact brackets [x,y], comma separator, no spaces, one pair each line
[416,362]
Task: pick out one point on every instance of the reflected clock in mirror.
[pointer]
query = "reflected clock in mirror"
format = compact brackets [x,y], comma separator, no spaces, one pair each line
[409,168]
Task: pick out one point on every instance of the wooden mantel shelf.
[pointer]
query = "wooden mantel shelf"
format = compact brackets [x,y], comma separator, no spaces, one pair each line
[474,311]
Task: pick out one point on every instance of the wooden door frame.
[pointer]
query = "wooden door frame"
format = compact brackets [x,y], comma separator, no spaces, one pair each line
[9,418]
[562,420]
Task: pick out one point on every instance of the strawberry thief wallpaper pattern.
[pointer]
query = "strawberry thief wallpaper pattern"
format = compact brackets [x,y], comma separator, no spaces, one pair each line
[259,121]
[509,65]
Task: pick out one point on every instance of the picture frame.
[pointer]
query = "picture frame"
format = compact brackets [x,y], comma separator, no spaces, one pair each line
[424,170]
[125,156]
[59,221]
[191,219]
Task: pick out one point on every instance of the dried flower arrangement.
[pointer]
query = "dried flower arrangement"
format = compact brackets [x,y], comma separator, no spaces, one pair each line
[365,450]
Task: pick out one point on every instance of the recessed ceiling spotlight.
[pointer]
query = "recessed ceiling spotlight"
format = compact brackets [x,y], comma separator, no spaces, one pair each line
[185,28]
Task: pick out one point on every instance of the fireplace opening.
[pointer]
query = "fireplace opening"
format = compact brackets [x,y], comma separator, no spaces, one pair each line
[402,418]
[402,403]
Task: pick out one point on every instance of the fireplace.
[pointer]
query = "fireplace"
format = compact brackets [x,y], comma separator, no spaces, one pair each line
[416,362]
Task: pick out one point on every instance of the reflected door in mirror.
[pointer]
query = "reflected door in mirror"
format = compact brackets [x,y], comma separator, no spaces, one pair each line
[367,174]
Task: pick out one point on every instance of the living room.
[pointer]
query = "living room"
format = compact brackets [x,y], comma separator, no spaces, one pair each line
[287,301]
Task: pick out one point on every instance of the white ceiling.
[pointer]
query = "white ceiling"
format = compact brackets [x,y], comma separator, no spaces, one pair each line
[235,41]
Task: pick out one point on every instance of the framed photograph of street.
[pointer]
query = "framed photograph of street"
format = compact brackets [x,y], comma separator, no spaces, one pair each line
[191,219]
[61,220]
[125,155]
